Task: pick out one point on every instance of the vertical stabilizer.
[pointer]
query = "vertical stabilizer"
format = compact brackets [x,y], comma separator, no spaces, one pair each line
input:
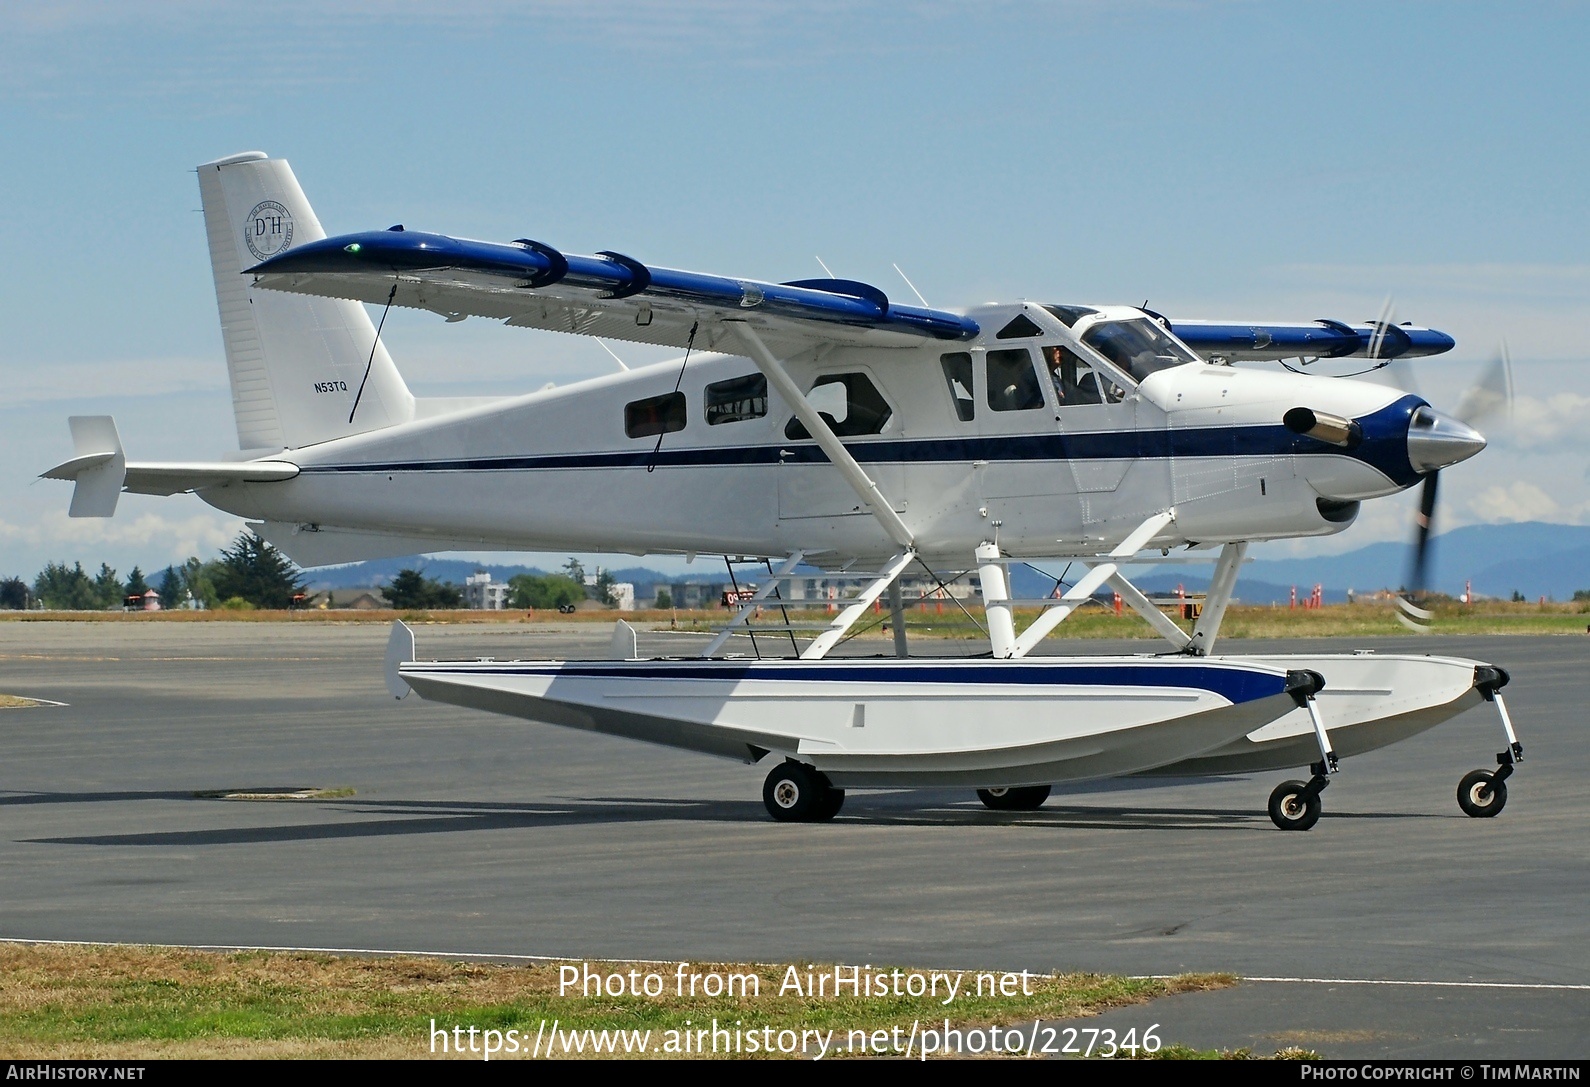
[296,362]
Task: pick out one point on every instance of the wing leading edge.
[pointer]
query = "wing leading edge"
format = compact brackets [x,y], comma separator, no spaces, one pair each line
[526,283]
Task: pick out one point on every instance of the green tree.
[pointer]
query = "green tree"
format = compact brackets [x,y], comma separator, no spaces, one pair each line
[198,578]
[107,588]
[575,572]
[665,599]
[14,594]
[544,591]
[136,585]
[412,589]
[604,588]
[67,589]
[253,570]
[170,588]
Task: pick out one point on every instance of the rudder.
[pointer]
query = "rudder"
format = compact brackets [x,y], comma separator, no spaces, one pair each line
[296,362]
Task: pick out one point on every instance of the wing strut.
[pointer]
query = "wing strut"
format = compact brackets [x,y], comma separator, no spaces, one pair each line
[827,440]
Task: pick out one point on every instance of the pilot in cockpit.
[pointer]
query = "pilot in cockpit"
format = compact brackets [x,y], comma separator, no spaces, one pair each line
[1074,380]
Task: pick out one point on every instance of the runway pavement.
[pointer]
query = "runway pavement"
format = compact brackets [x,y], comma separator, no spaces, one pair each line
[471,833]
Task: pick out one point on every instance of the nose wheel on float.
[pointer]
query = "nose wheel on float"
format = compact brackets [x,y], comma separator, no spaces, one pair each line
[1483,793]
[1295,805]
[797,793]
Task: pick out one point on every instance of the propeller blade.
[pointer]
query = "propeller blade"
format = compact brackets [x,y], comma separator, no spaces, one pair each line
[1378,337]
[1411,615]
[1492,394]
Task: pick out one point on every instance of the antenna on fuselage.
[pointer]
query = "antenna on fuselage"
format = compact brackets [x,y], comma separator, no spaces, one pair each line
[827,271]
[914,291]
[616,359]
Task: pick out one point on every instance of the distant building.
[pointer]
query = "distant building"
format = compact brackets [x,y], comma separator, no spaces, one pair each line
[484,594]
[145,601]
[623,592]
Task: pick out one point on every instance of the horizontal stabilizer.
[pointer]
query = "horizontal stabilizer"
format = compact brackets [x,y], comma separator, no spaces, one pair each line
[610,295]
[101,470]
[98,465]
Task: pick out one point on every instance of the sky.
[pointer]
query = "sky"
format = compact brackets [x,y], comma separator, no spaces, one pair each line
[1220,160]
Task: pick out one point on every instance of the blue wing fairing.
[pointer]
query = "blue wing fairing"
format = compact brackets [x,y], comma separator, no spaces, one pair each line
[533,266]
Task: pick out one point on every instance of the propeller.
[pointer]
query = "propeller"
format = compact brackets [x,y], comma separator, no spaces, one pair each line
[1489,397]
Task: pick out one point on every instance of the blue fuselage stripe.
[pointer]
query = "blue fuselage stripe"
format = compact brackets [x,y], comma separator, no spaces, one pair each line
[1384,448]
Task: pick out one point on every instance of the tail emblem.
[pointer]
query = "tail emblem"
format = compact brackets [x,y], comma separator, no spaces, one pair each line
[268,229]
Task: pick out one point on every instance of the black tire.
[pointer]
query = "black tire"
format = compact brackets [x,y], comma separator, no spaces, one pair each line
[1021,798]
[794,792]
[1480,795]
[828,807]
[1293,807]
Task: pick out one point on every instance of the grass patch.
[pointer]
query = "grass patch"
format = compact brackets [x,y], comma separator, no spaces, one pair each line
[127,1002]
[1185,1053]
[1092,621]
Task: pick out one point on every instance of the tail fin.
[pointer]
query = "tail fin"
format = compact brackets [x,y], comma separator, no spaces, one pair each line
[297,363]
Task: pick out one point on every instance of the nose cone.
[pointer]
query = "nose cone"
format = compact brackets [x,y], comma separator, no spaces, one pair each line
[1439,441]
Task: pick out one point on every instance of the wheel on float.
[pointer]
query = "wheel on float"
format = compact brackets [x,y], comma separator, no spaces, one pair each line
[833,799]
[794,792]
[1293,806]
[1480,795]
[1020,798]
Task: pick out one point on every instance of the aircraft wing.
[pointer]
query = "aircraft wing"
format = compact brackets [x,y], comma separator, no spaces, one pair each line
[528,284]
[1324,339]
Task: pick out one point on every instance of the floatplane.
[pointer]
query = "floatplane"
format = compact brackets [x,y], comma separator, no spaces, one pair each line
[818,423]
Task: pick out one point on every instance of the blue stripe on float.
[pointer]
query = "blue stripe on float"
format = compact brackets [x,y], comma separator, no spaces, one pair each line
[1384,448]
[1235,685]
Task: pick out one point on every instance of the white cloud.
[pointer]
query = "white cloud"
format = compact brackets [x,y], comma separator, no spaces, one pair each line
[151,539]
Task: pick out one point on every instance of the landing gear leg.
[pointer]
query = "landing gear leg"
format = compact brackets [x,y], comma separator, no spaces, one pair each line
[797,793]
[1483,793]
[1295,805]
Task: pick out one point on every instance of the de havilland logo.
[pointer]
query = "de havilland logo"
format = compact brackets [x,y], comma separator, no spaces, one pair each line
[268,229]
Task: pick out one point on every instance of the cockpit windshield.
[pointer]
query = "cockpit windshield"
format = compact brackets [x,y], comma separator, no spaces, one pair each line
[1139,346]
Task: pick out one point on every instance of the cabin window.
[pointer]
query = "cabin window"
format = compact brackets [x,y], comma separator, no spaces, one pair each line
[1074,379]
[1012,381]
[849,403]
[1018,329]
[655,415]
[737,400]
[958,373]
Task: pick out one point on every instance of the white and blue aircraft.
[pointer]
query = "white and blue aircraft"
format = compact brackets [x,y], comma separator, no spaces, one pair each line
[819,423]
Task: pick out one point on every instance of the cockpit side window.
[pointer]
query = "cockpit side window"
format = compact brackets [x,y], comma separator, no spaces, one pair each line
[1139,346]
[957,367]
[1075,381]
[1012,381]
[863,409]
[1070,315]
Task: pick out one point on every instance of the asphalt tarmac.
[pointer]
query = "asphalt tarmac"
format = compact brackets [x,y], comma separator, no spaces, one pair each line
[482,835]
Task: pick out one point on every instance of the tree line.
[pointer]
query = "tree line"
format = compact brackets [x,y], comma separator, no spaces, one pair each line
[253,574]
[249,574]
[412,589]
